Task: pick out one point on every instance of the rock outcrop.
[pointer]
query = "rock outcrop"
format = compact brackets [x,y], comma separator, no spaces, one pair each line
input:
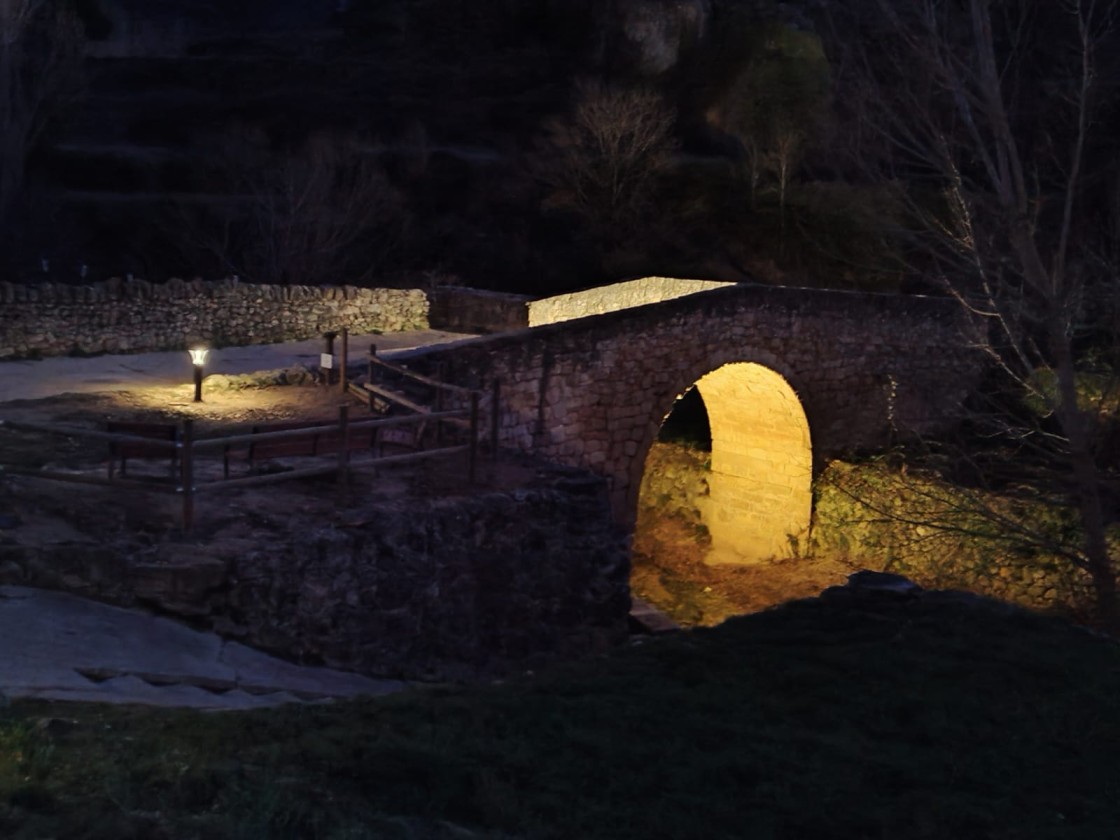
[654,34]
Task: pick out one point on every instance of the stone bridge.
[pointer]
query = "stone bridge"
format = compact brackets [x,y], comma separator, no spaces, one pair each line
[789,377]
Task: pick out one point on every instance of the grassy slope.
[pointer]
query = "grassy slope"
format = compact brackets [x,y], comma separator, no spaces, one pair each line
[817,720]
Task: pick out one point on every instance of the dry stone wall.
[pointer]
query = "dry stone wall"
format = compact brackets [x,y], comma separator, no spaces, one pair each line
[133,316]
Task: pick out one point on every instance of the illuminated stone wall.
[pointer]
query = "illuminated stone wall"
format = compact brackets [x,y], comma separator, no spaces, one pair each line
[479,311]
[603,299]
[133,316]
[865,369]
[760,499]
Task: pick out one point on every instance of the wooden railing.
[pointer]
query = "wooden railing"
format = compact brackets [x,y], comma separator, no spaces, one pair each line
[453,405]
[371,391]
[441,394]
[188,484]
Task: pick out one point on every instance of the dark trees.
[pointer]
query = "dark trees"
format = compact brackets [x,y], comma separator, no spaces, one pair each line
[989,119]
[323,212]
[40,57]
[604,160]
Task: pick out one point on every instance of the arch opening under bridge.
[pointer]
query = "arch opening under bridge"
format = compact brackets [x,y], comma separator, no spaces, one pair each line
[759,500]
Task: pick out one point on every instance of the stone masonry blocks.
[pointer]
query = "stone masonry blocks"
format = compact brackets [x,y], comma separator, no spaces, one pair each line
[135,316]
[619,373]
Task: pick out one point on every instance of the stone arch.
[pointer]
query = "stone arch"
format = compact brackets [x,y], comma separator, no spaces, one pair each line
[760,488]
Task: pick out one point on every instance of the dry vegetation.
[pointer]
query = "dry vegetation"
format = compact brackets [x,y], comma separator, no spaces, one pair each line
[669,572]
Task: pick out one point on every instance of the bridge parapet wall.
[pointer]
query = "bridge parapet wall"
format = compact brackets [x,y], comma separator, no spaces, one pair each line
[478,311]
[626,295]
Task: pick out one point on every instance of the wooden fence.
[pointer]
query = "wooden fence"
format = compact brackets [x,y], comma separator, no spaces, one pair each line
[371,390]
[187,483]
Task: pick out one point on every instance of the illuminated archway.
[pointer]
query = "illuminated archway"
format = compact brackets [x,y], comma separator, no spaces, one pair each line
[760,488]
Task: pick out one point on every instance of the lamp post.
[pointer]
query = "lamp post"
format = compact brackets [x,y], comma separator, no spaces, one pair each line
[198,359]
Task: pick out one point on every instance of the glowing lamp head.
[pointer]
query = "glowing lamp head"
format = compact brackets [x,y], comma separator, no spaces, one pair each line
[198,355]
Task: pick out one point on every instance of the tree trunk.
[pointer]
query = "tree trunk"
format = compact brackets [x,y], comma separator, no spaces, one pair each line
[1086,484]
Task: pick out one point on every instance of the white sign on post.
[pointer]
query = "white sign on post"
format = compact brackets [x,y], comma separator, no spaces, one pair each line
[326,361]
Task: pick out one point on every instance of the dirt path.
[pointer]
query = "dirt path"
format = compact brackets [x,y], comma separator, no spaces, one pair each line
[668,572]
[222,410]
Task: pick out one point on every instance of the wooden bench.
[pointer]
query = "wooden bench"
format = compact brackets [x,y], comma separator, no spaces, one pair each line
[309,445]
[123,450]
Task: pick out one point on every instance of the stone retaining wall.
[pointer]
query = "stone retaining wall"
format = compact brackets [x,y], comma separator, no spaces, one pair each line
[134,316]
[675,482]
[922,528]
[444,588]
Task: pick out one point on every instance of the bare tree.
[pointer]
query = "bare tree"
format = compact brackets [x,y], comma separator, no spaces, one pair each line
[789,140]
[986,115]
[776,106]
[322,213]
[40,51]
[604,160]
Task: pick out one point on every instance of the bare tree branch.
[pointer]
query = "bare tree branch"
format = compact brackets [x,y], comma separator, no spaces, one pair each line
[324,213]
[604,159]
